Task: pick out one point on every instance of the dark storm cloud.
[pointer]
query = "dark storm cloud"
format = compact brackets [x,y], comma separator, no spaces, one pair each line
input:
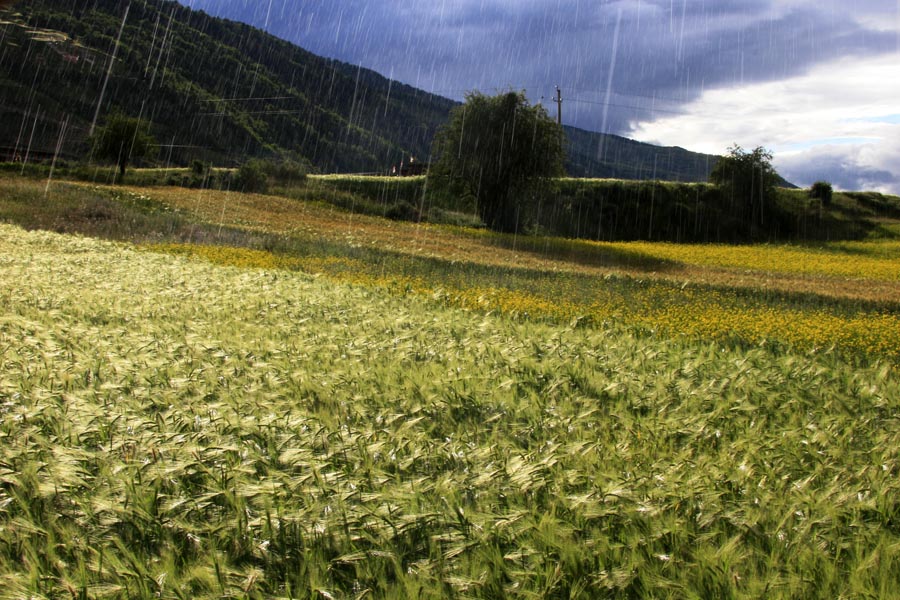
[617,61]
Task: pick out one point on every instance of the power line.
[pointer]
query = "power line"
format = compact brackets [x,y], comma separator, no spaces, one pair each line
[447,91]
[651,109]
[578,90]
[256,112]
[250,99]
[630,95]
[558,100]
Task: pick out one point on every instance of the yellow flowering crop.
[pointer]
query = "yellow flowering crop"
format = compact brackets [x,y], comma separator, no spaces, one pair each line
[868,260]
[691,311]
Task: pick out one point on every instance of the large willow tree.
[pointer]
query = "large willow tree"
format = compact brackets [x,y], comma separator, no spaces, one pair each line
[499,150]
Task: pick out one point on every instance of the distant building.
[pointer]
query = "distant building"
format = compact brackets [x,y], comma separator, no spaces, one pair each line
[409,169]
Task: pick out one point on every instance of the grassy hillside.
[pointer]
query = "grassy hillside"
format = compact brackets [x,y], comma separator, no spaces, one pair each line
[595,155]
[681,212]
[191,75]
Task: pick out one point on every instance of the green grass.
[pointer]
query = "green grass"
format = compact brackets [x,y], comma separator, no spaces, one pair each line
[808,314]
[179,430]
[593,209]
[397,198]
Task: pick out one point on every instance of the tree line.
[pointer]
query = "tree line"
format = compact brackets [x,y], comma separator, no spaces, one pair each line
[505,156]
[502,158]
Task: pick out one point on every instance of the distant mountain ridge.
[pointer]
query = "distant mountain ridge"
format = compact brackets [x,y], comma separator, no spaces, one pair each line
[221,91]
[611,156]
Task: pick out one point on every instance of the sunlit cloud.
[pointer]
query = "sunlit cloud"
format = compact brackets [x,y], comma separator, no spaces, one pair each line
[838,122]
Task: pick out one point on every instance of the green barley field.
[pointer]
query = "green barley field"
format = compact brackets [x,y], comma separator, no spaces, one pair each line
[170,428]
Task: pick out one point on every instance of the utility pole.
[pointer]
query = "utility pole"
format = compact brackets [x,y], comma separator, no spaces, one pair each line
[558,106]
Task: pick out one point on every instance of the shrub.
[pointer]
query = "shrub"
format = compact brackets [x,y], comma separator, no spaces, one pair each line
[199,168]
[822,190]
[251,177]
[402,211]
[256,175]
[287,172]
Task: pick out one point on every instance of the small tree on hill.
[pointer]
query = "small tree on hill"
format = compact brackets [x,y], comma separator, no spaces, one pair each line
[822,190]
[123,140]
[747,180]
[498,150]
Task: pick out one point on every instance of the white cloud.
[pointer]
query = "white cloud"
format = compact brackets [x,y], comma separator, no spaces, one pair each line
[843,115]
[871,166]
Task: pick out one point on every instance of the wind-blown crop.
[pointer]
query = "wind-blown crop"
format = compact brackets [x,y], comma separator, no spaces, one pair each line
[176,429]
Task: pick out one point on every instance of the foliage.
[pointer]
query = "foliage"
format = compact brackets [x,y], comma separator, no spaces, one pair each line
[123,140]
[251,177]
[500,151]
[747,183]
[822,190]
[883,204]
[602,210]
[631,210]
[288,172]
[611,210]
[175,64]
[200,168]
[259,175]
[177,429]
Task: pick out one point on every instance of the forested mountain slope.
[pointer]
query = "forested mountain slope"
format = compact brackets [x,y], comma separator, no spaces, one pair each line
[192,76]
[221,91]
